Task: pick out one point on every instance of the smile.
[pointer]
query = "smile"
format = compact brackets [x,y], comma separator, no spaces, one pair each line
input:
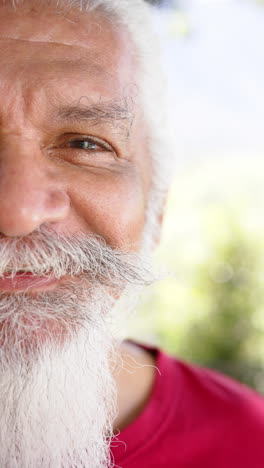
[23,281]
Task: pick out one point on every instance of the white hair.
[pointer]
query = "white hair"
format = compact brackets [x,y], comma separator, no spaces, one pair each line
[58,356]
[135,16]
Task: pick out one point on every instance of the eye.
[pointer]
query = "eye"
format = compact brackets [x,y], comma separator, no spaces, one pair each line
[86,144]
[84,149]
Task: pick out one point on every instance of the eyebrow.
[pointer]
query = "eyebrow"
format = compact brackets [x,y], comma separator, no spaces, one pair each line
[112,112]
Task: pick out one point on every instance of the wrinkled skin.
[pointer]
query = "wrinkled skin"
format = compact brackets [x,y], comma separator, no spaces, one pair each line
[45,175]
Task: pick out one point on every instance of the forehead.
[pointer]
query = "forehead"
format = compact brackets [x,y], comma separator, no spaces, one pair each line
[75,53]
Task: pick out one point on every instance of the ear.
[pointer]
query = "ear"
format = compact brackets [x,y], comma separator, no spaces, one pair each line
[160,218]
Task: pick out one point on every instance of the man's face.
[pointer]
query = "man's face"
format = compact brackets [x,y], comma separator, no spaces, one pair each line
[72,148]
[74,165]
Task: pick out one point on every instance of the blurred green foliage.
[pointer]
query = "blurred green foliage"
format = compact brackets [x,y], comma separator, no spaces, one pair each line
[226,337]
[210,310]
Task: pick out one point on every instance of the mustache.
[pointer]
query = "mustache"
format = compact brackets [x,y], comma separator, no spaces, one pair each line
[47,253]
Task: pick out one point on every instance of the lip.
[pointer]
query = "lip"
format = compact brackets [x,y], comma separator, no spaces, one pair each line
[26,281]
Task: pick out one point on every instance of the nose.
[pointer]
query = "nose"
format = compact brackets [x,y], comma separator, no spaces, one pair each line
[30,195]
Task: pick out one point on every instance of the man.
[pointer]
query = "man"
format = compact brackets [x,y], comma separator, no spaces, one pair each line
[83,175]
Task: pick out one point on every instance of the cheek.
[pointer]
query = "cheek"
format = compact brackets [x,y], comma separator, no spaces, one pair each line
[112,206]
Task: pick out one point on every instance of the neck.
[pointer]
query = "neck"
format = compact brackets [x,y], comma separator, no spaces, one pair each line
[134,379]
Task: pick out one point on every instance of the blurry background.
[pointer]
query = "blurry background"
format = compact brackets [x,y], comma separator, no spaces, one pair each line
[211,310]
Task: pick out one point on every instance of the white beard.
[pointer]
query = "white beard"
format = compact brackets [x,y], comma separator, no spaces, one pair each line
[58,403]
[57,390]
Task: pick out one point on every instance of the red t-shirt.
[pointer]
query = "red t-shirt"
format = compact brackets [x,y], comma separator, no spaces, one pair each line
[195,418]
